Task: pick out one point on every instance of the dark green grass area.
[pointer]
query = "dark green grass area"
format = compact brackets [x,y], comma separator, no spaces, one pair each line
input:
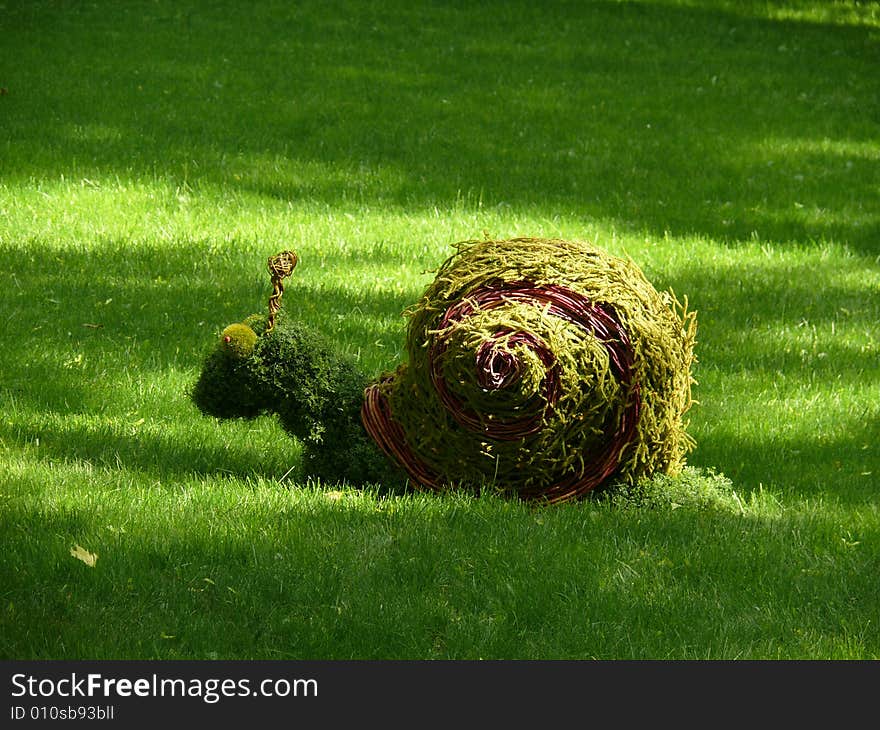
[153,154]
[226,567]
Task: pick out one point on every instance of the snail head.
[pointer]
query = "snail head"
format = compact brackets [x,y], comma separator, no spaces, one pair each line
[253,370]
[229,385]
[233,382]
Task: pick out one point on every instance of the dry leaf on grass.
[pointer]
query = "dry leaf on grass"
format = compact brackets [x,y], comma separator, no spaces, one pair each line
[80,553]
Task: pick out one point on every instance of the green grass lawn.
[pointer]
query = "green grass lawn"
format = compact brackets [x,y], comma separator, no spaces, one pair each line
[154,153]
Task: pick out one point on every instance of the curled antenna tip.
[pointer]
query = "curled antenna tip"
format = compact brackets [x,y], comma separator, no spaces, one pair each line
[282,264]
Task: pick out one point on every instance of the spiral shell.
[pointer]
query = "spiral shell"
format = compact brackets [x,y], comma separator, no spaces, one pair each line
[542,368]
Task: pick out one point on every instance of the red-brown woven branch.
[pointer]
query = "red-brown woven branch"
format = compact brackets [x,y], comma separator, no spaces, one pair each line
[389,436]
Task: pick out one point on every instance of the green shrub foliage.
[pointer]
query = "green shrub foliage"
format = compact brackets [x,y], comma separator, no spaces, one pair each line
[316,393]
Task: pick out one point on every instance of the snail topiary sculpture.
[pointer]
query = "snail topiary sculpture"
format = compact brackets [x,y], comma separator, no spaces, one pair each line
[544,369]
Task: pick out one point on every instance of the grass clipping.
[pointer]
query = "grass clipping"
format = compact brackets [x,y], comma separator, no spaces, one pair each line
[540,368]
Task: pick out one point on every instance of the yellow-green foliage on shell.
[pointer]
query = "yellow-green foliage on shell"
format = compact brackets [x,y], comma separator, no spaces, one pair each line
[626,412]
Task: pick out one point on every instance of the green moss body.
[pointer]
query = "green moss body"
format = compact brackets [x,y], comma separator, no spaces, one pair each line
[317,395]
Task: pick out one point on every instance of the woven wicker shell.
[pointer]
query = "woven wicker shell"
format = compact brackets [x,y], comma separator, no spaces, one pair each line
[540,368]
